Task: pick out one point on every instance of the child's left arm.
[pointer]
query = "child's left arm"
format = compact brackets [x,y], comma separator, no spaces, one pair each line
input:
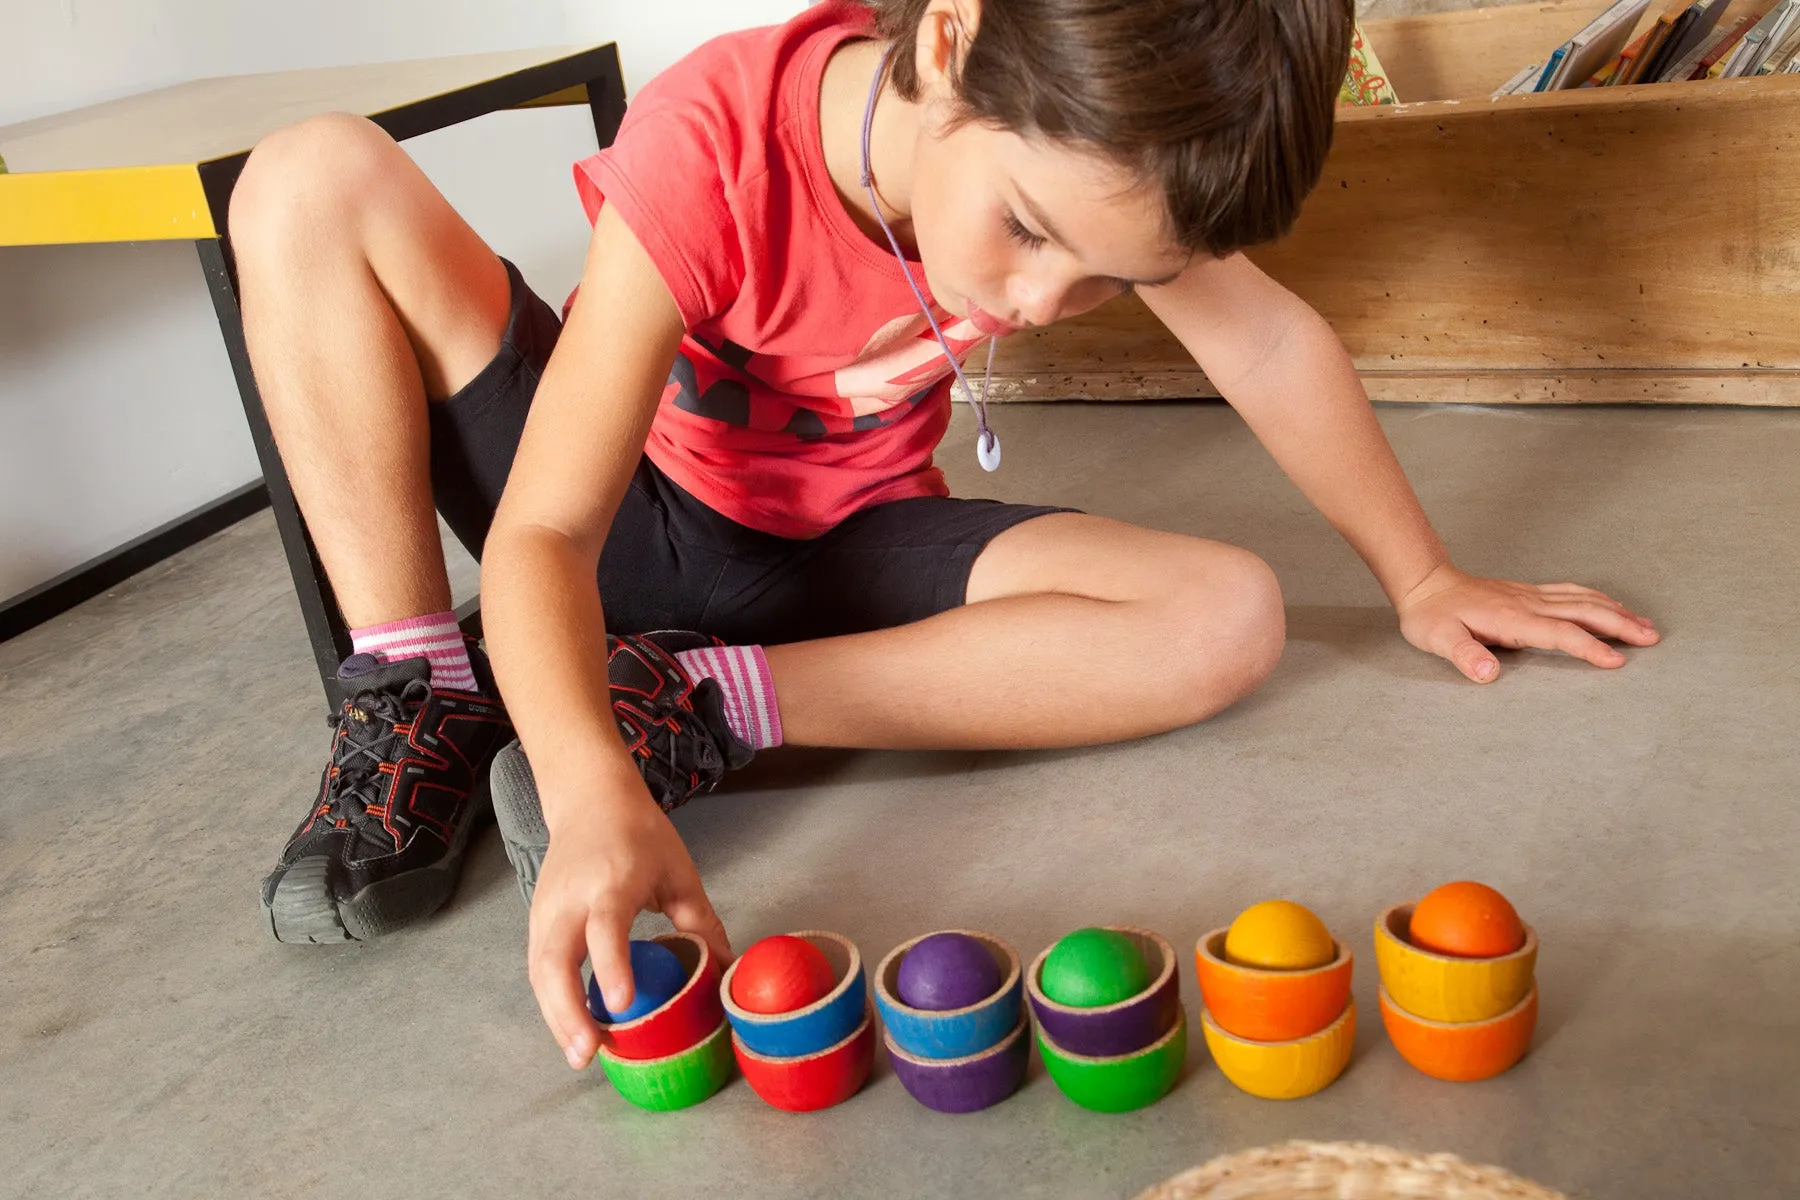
[1284,370]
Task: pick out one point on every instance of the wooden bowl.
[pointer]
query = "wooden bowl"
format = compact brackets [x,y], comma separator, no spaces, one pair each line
[1465,1051]
[811,1081]
[680,1080]
[1283,1070]
[957,1032]
[1441,987]
[821,1024]
[968,1084]
[1117,1083]
[1112,1030]
[688,1018]
[1270,1006]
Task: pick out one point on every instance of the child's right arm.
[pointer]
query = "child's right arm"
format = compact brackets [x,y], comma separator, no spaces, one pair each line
[613,853]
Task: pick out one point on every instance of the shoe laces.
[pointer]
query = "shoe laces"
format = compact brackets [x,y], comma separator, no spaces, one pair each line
[367,738]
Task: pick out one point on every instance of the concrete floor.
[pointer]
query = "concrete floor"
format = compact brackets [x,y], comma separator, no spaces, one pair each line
[160,742]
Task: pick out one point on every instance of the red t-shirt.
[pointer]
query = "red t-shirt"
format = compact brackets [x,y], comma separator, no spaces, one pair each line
[809,384]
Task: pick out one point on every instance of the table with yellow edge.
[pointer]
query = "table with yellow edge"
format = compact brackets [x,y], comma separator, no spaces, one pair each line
[160,166]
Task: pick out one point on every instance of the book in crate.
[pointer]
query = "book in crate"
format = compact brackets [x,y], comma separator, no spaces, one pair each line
[1686,40]
[1365,82]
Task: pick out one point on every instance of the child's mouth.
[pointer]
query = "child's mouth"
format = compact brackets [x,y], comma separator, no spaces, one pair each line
[990,326]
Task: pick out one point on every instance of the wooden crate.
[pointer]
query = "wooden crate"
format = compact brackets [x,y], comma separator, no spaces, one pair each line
[1610,244]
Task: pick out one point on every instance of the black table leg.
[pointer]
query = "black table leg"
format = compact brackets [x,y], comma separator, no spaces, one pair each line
[606,101]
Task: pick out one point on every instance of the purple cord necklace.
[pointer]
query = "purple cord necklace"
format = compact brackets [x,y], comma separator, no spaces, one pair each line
[987,444]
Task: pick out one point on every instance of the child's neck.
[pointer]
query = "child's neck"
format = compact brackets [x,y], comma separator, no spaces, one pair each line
[843,97]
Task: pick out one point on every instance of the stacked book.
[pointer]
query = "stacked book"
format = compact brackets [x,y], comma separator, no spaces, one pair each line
[1689,40]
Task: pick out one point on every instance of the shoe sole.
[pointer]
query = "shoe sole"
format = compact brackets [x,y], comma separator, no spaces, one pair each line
[513,793]
[302,911]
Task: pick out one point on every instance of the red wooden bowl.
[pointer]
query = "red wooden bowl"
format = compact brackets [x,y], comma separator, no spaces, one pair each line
[811,1081]
[688,1018]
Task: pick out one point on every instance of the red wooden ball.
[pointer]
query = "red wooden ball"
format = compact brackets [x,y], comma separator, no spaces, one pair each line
[781,974]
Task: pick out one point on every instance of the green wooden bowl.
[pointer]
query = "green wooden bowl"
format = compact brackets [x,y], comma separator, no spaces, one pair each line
[1121,1083]
[679,1081]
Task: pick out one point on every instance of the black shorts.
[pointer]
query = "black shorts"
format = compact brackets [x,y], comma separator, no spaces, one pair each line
[671,562]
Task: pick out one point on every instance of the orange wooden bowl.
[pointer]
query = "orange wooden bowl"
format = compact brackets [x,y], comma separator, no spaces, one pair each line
[1464,1051]
[1270,1006]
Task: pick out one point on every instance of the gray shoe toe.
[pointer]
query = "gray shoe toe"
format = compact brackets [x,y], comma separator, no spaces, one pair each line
[519,815]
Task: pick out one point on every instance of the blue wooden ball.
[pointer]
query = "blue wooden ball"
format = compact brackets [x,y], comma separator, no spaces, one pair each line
[946,971]
[657,975]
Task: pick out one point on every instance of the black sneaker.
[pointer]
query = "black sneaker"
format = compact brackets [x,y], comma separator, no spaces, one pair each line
[674,727]
[406,783]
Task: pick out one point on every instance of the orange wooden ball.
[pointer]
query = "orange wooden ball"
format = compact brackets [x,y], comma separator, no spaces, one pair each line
[782,974]
[1466,920]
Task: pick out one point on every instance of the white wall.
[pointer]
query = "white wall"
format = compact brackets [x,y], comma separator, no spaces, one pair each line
[117,407]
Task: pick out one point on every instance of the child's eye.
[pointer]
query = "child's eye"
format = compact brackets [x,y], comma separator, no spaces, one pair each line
[1022,235]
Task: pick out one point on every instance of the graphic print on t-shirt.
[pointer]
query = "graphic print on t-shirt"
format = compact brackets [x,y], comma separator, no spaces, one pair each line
[901,364]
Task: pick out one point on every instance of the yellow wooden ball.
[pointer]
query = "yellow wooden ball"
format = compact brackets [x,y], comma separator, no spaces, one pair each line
[1279,935]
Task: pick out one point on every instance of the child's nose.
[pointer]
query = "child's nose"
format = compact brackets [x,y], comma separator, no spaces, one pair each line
[1038,302]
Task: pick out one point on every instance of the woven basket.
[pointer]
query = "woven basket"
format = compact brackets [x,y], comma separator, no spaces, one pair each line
[1344,1171]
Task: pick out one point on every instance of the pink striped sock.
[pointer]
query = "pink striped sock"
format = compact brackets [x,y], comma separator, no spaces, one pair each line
[436,636]
[742,673]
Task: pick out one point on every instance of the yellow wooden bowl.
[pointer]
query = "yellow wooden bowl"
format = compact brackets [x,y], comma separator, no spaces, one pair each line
[1440,987]
[1283,1070]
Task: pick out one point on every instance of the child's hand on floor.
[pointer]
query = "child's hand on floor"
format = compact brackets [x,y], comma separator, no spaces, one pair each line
[613,854]
[1458,616]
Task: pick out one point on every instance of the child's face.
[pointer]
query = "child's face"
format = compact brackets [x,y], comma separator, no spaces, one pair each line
[1016,232]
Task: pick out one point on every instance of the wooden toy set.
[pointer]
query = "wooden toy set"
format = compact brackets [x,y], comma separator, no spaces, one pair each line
[1458,982]
[1458,1000]
[954,1021]
[1278,1019]
[801,1026]
[669,1050]
[1111,1028]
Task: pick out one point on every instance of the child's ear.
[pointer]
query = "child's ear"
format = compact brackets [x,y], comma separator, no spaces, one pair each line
[944,36]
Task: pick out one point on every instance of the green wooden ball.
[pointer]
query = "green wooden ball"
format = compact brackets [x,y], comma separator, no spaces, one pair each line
[1094,967]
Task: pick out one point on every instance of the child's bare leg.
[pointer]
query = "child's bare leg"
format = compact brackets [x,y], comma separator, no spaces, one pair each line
[364,293]
[1077,630]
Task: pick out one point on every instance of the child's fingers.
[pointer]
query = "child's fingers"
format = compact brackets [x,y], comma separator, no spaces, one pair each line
[1608,621]
[1577,592]
[693,913]
[609,949]
[1473,659]
[1578,595]
[553,964]
[1548,633]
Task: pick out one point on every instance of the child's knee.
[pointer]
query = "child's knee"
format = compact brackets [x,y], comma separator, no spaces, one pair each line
[1236,624]
[1251,621]
[306,179]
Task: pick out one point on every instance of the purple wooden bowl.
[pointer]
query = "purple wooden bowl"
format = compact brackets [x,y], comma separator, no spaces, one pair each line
[964,1085]
[1113,1029]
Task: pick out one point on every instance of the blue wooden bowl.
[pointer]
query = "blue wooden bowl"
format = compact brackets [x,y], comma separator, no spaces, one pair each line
[956,1032]
[821,1024]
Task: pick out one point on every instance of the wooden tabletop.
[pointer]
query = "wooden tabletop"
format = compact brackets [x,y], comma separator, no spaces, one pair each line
[133,169]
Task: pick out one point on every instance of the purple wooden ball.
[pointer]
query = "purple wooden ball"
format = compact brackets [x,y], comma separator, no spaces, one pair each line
[945,971]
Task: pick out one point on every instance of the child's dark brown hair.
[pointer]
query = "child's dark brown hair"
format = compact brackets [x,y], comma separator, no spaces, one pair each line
[1225,105]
